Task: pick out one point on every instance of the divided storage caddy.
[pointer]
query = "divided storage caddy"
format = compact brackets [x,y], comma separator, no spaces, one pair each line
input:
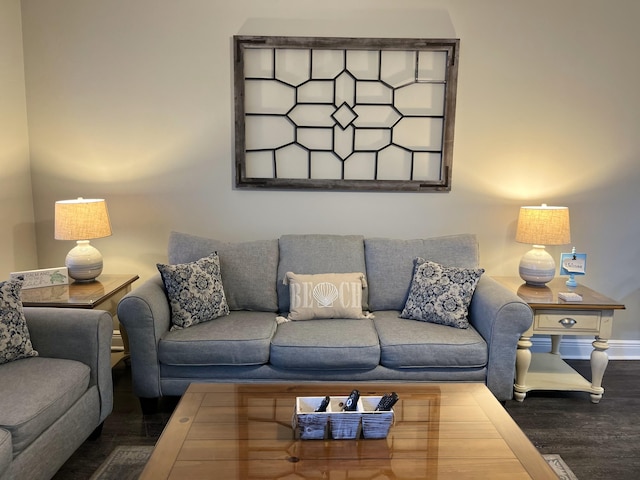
[337,424]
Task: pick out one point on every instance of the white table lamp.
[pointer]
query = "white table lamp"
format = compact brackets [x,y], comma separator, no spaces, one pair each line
[541,225]
[81,220]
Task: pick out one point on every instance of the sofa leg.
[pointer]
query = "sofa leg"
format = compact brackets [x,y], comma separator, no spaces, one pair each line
[149,405]
[97,432]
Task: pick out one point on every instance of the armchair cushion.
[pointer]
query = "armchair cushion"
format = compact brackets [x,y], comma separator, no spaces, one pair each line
[59,383]
[15,342]
[6,453]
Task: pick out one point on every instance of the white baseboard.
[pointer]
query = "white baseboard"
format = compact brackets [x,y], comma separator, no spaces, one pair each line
[580,348]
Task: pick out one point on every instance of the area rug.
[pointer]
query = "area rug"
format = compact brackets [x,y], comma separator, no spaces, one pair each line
[558,466]
[126,462]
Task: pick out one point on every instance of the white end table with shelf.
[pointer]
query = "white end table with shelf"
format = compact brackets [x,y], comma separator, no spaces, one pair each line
[592,316]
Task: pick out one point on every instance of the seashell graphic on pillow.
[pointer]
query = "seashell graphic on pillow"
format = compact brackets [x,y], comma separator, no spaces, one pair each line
[325,293]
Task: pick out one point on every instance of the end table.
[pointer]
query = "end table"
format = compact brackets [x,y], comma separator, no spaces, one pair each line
[592,316]
[102,294]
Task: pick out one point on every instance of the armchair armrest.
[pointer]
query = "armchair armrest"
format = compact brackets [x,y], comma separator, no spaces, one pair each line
[146,315]
[501,317]
[76,334]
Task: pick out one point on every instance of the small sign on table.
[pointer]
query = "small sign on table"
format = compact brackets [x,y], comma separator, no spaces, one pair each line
[45,277]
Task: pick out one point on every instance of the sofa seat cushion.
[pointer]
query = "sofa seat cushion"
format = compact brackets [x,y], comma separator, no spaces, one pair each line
[336,344]
[406,343]
[6,453]
[241,338]
[42,390]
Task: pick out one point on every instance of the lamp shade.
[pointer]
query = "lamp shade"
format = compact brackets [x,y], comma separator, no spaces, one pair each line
[543,225]
[81,219]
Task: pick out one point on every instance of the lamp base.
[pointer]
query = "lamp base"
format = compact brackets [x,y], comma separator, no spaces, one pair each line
[537,267]
[84,262]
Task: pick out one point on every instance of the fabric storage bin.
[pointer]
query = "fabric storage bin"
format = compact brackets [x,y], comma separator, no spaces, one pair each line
[344,425]
[309,424]
[375,424]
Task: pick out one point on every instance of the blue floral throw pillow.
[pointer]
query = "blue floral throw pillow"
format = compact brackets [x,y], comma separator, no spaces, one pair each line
[195,291]
[15,341]
[440,294]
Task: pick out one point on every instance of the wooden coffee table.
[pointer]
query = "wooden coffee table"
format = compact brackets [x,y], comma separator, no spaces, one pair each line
[244,431]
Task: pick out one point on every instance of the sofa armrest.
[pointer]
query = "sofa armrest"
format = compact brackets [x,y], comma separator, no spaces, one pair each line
[146,315]
[501,317]
[76,334]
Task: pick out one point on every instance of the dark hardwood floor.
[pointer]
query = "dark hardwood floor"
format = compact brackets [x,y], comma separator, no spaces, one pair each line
[597,441]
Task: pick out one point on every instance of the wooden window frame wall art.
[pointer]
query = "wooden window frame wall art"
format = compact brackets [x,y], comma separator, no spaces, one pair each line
[369,114]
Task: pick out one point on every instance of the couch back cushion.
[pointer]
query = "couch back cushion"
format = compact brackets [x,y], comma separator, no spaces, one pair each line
[248,269]
[315,253]
[390,264]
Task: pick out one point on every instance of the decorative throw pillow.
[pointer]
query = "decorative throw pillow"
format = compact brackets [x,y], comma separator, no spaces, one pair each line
[195,291]
[440,294]
[15,341]
[327,295]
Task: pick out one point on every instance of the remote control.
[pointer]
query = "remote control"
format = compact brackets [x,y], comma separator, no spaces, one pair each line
[323,406]
[387,401]
[351,405]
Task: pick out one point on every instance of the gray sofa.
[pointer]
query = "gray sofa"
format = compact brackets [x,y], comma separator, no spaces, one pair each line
[50,404]
[251,345]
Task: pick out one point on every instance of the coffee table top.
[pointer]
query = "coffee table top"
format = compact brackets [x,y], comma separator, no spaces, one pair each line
[243,431]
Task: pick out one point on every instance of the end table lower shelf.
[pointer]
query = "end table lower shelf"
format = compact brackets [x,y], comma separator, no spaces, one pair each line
[548,371]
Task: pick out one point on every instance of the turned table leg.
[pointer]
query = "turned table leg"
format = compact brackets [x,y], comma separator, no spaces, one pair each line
[599,362]
[523,361]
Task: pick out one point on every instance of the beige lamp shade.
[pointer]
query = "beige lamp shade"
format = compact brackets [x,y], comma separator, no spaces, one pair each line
[81,220]
[543,225]
[539,226]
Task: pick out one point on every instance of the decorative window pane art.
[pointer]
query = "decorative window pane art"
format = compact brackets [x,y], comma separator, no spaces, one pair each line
[345,113]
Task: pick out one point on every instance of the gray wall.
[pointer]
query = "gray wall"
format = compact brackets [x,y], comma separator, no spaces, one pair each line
[17,231]
[132,100]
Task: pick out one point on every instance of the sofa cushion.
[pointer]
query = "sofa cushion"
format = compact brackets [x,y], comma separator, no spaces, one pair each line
[325,295]
[42,390]
[195,291]
[390,264]
[409,344]
[440,294]
[6,450]
[15,341]
[248,269]
[326,345]
[310,254]
[241,338]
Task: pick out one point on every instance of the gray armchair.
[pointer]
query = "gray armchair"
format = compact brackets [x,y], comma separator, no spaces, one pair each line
[50,404]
